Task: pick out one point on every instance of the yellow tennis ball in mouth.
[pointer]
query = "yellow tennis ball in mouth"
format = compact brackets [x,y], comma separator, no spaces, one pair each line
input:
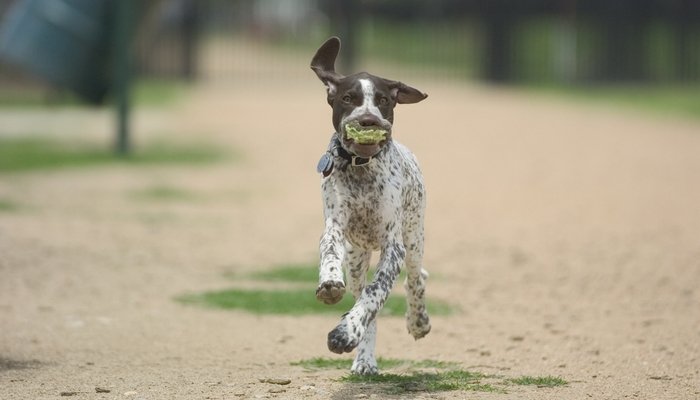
[365,136]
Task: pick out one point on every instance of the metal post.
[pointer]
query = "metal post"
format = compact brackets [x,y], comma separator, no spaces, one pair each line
[124,14]
[498,57]
[189,26]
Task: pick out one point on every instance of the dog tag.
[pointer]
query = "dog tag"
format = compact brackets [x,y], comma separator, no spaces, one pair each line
[325,164]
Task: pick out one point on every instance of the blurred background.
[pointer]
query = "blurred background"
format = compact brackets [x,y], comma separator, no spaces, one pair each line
[553,44]
[155,148]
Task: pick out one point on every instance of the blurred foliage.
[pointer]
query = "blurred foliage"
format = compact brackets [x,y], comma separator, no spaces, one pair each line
[662,99]
[448,46]
[146,93]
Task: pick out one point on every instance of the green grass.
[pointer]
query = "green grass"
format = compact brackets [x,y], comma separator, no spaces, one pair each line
[301,273]
[294,302]
[673,100]
[8,205]
[539,381]
[163,193]
[289,273]
[33,153]
[383,363]
[324,363]
[299,300]
[447,377]
[427,382]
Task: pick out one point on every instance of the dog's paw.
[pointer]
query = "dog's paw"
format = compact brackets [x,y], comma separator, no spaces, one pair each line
[418,325]
[341,341]
[365,367]
[330,292]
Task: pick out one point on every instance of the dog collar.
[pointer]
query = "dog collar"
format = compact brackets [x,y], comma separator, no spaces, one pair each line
[335,149]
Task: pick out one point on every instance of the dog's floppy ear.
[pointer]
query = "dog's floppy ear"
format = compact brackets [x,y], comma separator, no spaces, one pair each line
[323,64]
[405,94]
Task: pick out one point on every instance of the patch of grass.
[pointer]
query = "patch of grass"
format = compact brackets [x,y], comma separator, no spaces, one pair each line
[290,302]
[324,363]
[293,302]
[668,99]
[307,273]
[297,301]
[303,273]
[539,381]
[449,377]
[426,382]
[27,154]
[8,205]
[163,193]
[383,363]
[434,364]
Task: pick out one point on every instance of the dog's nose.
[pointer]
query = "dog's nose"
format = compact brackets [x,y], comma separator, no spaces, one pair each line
[368,120]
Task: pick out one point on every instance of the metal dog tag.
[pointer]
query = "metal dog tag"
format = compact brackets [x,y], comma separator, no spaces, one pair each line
[325,164]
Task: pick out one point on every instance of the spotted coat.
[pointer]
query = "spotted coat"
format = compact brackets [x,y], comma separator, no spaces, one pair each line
[376,206]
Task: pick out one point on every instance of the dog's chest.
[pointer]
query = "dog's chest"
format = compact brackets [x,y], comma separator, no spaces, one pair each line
[367,217]
[370,201]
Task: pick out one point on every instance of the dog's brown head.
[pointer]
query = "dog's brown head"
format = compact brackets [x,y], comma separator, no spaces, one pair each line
[362,99]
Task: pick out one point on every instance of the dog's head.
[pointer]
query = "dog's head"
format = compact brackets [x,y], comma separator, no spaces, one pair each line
[361,100]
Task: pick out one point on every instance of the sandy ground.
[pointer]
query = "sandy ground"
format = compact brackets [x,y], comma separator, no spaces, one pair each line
[567,234]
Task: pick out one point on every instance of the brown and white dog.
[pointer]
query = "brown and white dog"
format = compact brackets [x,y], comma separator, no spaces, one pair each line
[374,200]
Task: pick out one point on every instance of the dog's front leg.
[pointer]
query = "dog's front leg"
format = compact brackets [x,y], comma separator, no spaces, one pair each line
[330,277]
[347,335]
[331,286]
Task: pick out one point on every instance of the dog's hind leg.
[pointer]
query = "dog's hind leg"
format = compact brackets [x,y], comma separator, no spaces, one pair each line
[365,362]
[352,327]
[417,320]
[356,264]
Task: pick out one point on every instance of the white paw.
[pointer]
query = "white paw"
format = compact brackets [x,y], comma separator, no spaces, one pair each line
[418,324]
[330,292]
[365,367]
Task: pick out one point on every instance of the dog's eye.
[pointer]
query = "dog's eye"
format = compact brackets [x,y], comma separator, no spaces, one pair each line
[383,101]
[347,99]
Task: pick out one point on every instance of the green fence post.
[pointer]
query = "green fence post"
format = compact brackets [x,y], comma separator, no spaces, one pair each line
[123,25]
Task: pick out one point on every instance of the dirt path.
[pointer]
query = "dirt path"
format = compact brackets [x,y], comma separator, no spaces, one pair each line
[567,235]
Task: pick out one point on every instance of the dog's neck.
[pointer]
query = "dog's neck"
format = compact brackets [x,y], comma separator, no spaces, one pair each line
[340,153]
[337,157]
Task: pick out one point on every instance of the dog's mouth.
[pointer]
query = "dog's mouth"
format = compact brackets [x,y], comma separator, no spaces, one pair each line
[365,141]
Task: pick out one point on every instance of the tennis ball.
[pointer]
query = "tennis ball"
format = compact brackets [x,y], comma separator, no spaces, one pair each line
[364,136]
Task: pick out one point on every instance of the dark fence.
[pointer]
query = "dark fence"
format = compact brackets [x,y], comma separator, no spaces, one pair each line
[558,41]
[505,41]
